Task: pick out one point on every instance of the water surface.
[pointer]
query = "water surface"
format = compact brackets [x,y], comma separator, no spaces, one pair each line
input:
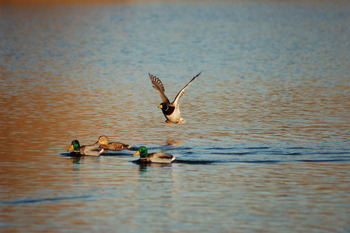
[266,142]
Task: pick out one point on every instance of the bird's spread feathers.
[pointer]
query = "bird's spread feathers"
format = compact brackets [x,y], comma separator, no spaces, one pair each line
[171,110]
[183,90]
[158,85]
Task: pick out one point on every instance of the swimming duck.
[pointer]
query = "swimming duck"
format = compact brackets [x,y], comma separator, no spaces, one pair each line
[153,157]
[76,149]
[103,142]
[171,110]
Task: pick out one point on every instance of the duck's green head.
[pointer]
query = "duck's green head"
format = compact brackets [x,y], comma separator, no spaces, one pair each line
[75,146]
[142,151]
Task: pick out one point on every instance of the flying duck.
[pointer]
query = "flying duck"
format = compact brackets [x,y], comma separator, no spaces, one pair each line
[171,110]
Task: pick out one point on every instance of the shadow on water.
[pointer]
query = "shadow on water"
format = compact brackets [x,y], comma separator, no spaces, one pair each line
[108,153]
[227,155]
[76,158]
[196,162]
[208,162]
[143,166]
[32,201]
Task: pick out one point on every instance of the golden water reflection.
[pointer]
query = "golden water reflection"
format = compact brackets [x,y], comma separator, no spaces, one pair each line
[86,75]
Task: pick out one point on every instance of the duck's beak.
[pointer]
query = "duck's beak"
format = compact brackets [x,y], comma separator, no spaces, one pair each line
[95,143]
[160,106]
[71,148]
[136,153]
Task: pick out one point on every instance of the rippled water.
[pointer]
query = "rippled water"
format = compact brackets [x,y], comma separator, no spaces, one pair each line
[266,142]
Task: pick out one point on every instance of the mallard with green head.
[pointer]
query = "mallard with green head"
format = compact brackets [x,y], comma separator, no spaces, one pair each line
[159,157]
[78,150]
[103,142]
[171,110]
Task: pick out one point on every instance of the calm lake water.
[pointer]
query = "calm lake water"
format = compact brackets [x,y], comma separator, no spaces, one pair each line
[266,145]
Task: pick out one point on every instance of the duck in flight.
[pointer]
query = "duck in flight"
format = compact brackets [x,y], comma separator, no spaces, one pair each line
[171,110]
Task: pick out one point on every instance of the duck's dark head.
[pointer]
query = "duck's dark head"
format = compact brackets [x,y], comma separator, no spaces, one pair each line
[166,108]
[75,146]
[142,151]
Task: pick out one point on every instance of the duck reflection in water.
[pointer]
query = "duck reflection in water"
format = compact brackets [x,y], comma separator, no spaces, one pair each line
[143,166]
[173,142]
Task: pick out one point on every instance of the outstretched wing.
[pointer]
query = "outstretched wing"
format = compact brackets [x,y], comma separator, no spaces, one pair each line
[158,85]
[183,90]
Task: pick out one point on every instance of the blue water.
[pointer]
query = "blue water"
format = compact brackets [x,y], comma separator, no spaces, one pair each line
[265,146]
